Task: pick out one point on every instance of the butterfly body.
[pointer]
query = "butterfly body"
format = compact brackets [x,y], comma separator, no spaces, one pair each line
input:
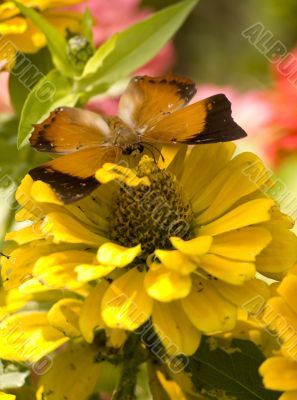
[151,111]
[123,136]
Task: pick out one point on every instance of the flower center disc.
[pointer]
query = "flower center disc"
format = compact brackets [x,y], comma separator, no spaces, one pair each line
[150,215]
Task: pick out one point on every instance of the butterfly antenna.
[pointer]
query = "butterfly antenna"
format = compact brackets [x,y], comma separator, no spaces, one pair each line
[152,153]
[155,148]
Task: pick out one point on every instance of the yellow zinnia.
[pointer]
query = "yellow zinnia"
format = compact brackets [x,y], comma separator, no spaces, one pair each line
[280,371]
[19,34]
[173,245]
[29,334]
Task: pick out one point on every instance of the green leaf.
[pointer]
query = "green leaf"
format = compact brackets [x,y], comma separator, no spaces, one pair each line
[232,372]
[56,42]
[137,45]
[96,61]
[29,69]
[54,90]
[87,25]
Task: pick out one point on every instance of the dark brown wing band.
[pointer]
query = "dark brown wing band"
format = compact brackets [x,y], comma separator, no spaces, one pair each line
[68,188]
[219,124]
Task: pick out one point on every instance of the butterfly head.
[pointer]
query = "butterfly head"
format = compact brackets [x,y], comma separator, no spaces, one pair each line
[133,148]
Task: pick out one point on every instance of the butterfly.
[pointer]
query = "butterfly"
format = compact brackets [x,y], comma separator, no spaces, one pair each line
[151,111]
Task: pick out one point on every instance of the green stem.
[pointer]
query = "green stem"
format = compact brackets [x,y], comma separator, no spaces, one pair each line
[133,357]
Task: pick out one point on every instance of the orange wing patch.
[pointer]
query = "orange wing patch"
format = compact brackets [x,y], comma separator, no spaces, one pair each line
[147,100]
[207,121]
[70,129]
[72,176]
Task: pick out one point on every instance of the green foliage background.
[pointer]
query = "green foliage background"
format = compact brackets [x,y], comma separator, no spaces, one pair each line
[210,47]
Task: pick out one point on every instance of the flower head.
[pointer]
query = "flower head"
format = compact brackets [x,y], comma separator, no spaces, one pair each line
[174,245]
[19,33]
[280,371]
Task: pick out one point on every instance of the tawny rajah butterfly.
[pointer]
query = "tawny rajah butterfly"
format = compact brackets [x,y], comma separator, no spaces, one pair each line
[151,110]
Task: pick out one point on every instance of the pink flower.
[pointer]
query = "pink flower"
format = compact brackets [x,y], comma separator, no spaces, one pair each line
[251,110]
[112,16]
[5,105]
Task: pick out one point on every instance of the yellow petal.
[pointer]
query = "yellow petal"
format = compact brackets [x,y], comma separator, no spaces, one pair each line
[279,373]
[63,228]
[15,25]
[252,212]
[64,316]
[90,315]
[208,310]
[32,286]
[174,329]
[87,273]
[29,41]
[287,290]
[171,387]
[292,395]
[18,268]
[176,261]
[119,256]
[198,159]
[73,375]
[166,285]
[27,336]
[173,159]
[125,304]
[281,318]
[243,244]
[194,247]
[9,9]
[26,235]
[6,396]
[57,270]
[41,192]
[113,172]
[235,185]
[251,296]
[230,271]
[280,254]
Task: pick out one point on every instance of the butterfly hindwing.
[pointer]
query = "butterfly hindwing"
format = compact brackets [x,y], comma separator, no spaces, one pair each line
[72,176]
[206,121]
[147,100]
[69,129]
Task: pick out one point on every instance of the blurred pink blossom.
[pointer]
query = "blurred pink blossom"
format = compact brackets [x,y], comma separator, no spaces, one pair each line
[5,105]
[283,123]
[251,110]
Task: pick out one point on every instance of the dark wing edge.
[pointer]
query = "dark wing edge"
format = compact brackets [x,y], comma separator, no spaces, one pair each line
[68,188]
[219,124]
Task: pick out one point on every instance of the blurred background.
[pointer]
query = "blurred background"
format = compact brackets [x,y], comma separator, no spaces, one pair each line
[210,47]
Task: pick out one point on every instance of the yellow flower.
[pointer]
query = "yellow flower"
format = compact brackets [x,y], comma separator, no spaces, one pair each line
[5,396]
[31,337]
[19,34]
[174,246]
[280,371]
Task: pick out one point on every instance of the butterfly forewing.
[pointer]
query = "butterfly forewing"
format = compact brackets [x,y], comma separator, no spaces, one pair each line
[70,129]
[72,176]
[147,100]
[152,110]
[206,121]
